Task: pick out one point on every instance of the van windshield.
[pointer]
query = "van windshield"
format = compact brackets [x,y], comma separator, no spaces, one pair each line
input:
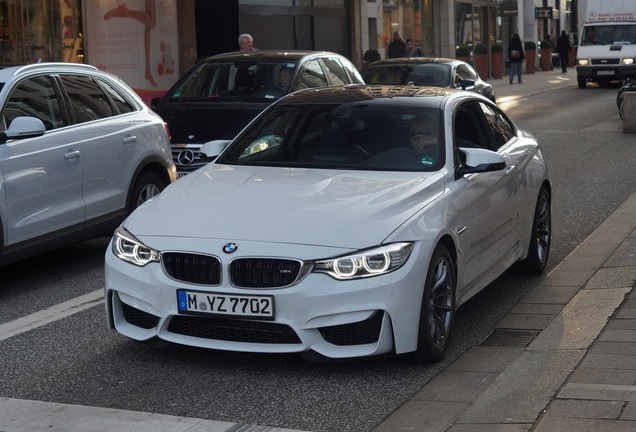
[609,34]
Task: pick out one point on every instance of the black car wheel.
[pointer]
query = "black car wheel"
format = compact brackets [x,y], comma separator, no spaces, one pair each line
[539,249]
[438,308]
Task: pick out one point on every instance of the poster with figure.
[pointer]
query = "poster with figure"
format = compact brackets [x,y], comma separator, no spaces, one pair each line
[135,40]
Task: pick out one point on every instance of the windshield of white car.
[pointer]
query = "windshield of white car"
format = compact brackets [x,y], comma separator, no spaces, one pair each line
[356,136]
[238,80]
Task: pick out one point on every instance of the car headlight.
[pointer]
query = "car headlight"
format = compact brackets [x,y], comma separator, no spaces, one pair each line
[583,62]
[127,248]
[628,61]
[372,262]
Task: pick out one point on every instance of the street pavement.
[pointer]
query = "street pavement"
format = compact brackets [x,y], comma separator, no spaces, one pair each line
[563,359]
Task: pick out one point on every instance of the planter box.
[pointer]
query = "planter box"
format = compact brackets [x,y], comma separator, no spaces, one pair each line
[481,64]
[546,59]
[497,62]
[531,61]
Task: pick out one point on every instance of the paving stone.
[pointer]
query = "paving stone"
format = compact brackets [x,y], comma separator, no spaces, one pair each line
[486,359]
[585,409]
[615,277]
[424,416]
[455,386]
[588,375]
[525,321]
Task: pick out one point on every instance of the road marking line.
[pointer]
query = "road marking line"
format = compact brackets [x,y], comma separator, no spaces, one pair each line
[54,313]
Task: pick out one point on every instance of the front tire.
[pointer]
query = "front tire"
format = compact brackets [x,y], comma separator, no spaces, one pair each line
[438,308]
[147,186]
[540,238]
[582,83]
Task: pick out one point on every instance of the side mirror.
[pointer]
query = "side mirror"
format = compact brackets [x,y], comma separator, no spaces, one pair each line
[477,160]
[23,127]
[212,149]
[466,84]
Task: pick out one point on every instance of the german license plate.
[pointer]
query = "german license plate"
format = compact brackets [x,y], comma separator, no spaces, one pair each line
[237,305]
[605,72]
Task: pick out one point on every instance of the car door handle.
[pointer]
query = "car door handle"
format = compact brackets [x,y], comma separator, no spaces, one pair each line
[72,154]
[130,139]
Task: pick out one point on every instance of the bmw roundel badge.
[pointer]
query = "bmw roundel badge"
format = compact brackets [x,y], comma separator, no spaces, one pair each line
[230,247]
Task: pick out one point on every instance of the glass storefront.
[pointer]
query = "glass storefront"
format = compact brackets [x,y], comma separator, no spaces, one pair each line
[40,30]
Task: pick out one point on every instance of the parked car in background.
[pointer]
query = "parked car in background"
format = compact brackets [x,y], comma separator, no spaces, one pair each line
[220,95]
[342,222]
[439,72]
[79,151]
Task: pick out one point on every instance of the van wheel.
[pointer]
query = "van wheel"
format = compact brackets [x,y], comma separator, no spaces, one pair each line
[147,186]
[582,83]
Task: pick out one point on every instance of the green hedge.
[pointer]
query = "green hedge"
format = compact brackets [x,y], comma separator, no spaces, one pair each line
[481,48]
[462,51]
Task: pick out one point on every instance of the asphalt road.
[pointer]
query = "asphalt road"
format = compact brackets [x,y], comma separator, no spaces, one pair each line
[77,360]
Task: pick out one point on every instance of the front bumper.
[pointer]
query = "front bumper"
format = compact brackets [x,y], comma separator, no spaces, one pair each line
[605,73]
[335,319]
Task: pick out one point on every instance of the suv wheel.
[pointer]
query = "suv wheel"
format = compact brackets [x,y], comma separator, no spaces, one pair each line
[148,185]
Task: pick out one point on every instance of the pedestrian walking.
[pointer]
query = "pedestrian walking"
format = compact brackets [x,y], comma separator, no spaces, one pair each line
[563,49]
[397,46]
[516,56]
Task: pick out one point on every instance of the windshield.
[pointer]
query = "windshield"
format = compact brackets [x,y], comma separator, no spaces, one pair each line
[608,34]
[434,74]
[247,79]
[357,136]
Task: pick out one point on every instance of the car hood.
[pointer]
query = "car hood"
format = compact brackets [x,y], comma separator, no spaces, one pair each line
[353,209]
[199,122]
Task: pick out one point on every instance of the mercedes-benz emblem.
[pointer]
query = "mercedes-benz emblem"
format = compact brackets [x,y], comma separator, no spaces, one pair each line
[186,157]
[230,247]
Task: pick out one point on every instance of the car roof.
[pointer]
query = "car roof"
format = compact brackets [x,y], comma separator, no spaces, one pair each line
[427,96]
[261,55]
[7,73]
[415,60]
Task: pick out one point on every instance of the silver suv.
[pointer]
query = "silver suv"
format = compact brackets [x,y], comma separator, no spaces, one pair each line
[79,151]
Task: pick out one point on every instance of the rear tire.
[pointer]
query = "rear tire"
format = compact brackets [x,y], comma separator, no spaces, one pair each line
[147,186]
[540,238]
[438,308]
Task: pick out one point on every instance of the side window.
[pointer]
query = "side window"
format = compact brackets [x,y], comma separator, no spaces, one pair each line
[88,101]
[336,71]
[35,97]
[122,104]
[502,131]
[313,76]
[469,129]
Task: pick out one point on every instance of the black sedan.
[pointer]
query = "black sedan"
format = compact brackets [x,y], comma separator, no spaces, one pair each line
[220,95]
[439,72]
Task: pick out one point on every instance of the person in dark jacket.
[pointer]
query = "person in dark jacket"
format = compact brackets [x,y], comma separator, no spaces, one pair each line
[563,48]
[397,46]
[516,56]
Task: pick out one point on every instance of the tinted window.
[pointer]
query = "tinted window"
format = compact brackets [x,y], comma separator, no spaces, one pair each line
[88,100]
[359,135]
[313,75]
[336,71]
[35,97]
[469,127]
[500,128]
[122,104]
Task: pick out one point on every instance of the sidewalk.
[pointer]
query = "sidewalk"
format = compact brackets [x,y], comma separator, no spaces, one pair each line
[564,359]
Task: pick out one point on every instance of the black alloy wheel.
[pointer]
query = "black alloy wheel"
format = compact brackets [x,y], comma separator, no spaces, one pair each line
[438,308]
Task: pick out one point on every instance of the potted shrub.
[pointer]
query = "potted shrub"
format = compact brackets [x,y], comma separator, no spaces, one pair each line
[463,53]
[546,55]
[530,50]
[496,60]
[369,57]
[481,60]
